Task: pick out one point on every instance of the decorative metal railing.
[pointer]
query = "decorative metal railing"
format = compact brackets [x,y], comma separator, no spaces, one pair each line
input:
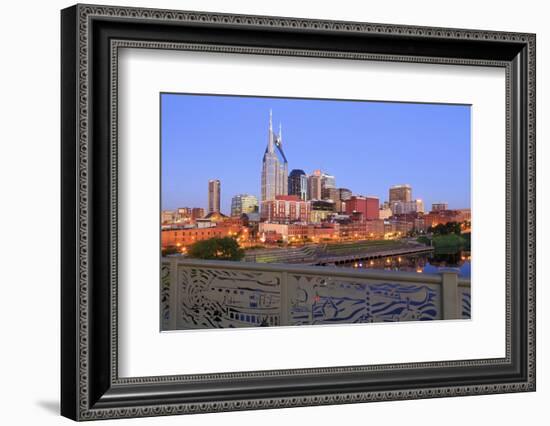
[197,294]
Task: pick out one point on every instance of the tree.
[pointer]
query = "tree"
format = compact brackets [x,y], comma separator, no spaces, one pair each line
[424,240]
[225,248]
[170,250]
[446,229]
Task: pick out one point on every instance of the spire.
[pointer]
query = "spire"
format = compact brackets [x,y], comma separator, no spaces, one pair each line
[270,140]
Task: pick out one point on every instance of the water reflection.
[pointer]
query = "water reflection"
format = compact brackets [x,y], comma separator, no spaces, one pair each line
[428,263]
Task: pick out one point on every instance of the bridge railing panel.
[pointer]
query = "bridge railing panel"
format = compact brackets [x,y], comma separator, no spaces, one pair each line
[198,294]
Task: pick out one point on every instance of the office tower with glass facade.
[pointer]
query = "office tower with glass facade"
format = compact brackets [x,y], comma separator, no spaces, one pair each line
[274,166]
[214,195]
[243,203]
[297,184]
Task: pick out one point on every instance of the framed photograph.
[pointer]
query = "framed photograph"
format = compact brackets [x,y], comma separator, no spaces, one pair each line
[263,212]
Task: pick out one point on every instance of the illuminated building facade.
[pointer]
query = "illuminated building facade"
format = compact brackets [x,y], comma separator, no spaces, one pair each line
[400,193]
[274,167]
[285,209]
[243,203]
[406,207]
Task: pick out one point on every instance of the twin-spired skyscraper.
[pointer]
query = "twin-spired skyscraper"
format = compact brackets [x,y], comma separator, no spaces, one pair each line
[274,166]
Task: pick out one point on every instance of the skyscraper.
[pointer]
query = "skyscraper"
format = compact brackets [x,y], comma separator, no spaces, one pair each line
[328,182]
[274,166]
[297,184]
[243,203]
[213,195]
[400,193]
[314,185]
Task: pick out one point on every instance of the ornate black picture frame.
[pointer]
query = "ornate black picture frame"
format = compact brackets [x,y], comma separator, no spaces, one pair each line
[91,386]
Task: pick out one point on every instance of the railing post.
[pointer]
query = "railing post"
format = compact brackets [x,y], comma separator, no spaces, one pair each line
[285,300]
[449,295]
[174,294]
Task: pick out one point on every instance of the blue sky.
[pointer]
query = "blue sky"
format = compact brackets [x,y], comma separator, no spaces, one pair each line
[368,146]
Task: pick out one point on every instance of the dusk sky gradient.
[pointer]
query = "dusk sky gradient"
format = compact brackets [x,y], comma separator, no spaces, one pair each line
[367,146]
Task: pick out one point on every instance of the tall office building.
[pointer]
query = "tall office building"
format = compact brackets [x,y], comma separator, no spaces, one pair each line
[315,186]
[297,184]
[328,182]
[243,203]
[213,195]
[400,193]
[274,166]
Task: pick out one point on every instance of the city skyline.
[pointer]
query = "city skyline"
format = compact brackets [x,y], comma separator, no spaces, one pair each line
[207,138]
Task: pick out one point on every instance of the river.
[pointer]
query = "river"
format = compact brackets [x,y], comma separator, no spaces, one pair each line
[421,263]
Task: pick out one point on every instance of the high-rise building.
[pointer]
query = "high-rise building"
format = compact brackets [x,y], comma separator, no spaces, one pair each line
[243,203]
[214,195]
[274,166]
[400,193]
[328,182]
[297,184]
[436,207]
[315,186]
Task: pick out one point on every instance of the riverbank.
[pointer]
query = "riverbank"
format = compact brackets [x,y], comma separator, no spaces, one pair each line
[451,242]
[321,254]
